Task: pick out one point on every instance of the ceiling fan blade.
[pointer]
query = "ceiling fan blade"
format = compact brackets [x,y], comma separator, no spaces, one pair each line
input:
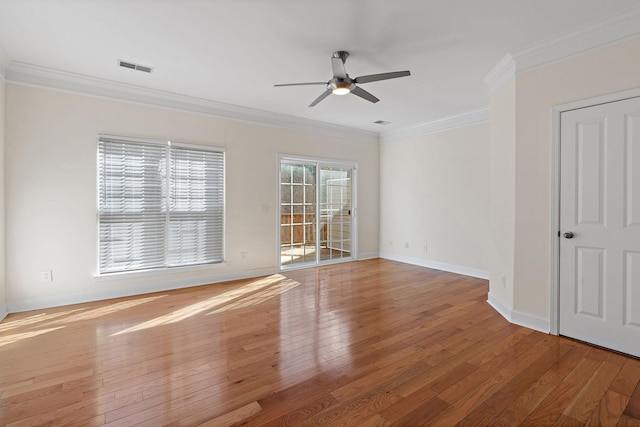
[301,84]
[338,68]
[364,94]
[381,76]
[321,97]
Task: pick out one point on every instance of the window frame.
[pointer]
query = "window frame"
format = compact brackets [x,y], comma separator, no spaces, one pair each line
[167,145]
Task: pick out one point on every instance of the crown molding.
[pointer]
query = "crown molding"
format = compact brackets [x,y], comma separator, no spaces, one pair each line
[591,36]
[595,35]
[501,74]
[453,122]
[32,75]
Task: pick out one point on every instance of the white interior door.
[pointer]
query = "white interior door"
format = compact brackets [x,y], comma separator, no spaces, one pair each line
[600,225]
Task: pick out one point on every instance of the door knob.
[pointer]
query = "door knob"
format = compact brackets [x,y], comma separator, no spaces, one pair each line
[568,235]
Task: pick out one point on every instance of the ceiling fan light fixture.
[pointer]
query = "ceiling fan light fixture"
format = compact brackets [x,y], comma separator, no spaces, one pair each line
[342,84]
[342,89]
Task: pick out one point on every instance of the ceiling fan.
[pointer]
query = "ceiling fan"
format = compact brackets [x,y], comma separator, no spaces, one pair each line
[342,84]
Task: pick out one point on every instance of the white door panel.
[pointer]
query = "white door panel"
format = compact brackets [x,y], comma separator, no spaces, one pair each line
[632,290]
[600,205]
[632,171]
[589,288]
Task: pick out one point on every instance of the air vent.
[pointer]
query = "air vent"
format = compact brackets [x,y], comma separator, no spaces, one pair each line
[133,66]
[382,122]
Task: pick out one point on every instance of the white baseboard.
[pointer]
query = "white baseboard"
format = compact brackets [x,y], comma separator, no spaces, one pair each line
[368,255]
[451,268]
[105,294]
[517,318]
[499,306]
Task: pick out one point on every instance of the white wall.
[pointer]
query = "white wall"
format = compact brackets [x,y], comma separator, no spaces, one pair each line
[51,191]
[3,300]
[601,72]
[434,190]
[503,187]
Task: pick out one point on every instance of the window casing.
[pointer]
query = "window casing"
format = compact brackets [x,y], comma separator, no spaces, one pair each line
[160,204]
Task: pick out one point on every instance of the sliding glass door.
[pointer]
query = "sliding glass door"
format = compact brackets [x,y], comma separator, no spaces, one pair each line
[316,212]
[335,212]
[297,213]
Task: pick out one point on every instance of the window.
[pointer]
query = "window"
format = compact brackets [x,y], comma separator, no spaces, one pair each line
[160,204]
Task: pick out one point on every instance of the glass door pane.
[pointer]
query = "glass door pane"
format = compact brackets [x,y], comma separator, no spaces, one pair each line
[297,213]
[335,212]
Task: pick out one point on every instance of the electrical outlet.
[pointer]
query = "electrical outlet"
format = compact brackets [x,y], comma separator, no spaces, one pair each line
[243,255]
[391,243]
[503,281]
[46,276]
[406,245]
[424,247]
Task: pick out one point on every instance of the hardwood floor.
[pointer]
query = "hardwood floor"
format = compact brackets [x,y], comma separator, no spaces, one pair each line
[369,343]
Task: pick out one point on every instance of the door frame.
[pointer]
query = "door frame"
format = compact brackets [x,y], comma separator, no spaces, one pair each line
[556,112]
[354,206]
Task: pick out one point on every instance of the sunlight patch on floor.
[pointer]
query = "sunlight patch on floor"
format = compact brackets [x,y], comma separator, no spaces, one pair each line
[273,290]
[9,324]
[212,303]
[10,339]
[109,309]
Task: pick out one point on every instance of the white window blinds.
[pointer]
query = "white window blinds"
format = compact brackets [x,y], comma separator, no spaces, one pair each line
[160,205]
[196,206]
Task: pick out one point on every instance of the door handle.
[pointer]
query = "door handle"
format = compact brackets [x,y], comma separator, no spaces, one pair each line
[568,235]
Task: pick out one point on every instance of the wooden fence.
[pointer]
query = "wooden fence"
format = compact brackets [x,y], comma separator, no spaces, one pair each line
[300,228]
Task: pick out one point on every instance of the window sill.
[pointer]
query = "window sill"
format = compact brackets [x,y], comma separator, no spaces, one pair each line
[124,275]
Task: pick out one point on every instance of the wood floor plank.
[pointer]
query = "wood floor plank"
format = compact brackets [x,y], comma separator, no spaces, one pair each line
[551,408]
[566,421]
[525,402]
[524,353]
[510,390]
[400,409]
[628,377]
[375,421]
[451,370]
[234,416]
[354,411]
[468,394]
[587,400]
[366,343]
[609,410]
[633,408]
[428,410]
[627,421]
[295,412]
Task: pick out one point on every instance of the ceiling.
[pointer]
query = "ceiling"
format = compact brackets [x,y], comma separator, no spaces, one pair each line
[234,51]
